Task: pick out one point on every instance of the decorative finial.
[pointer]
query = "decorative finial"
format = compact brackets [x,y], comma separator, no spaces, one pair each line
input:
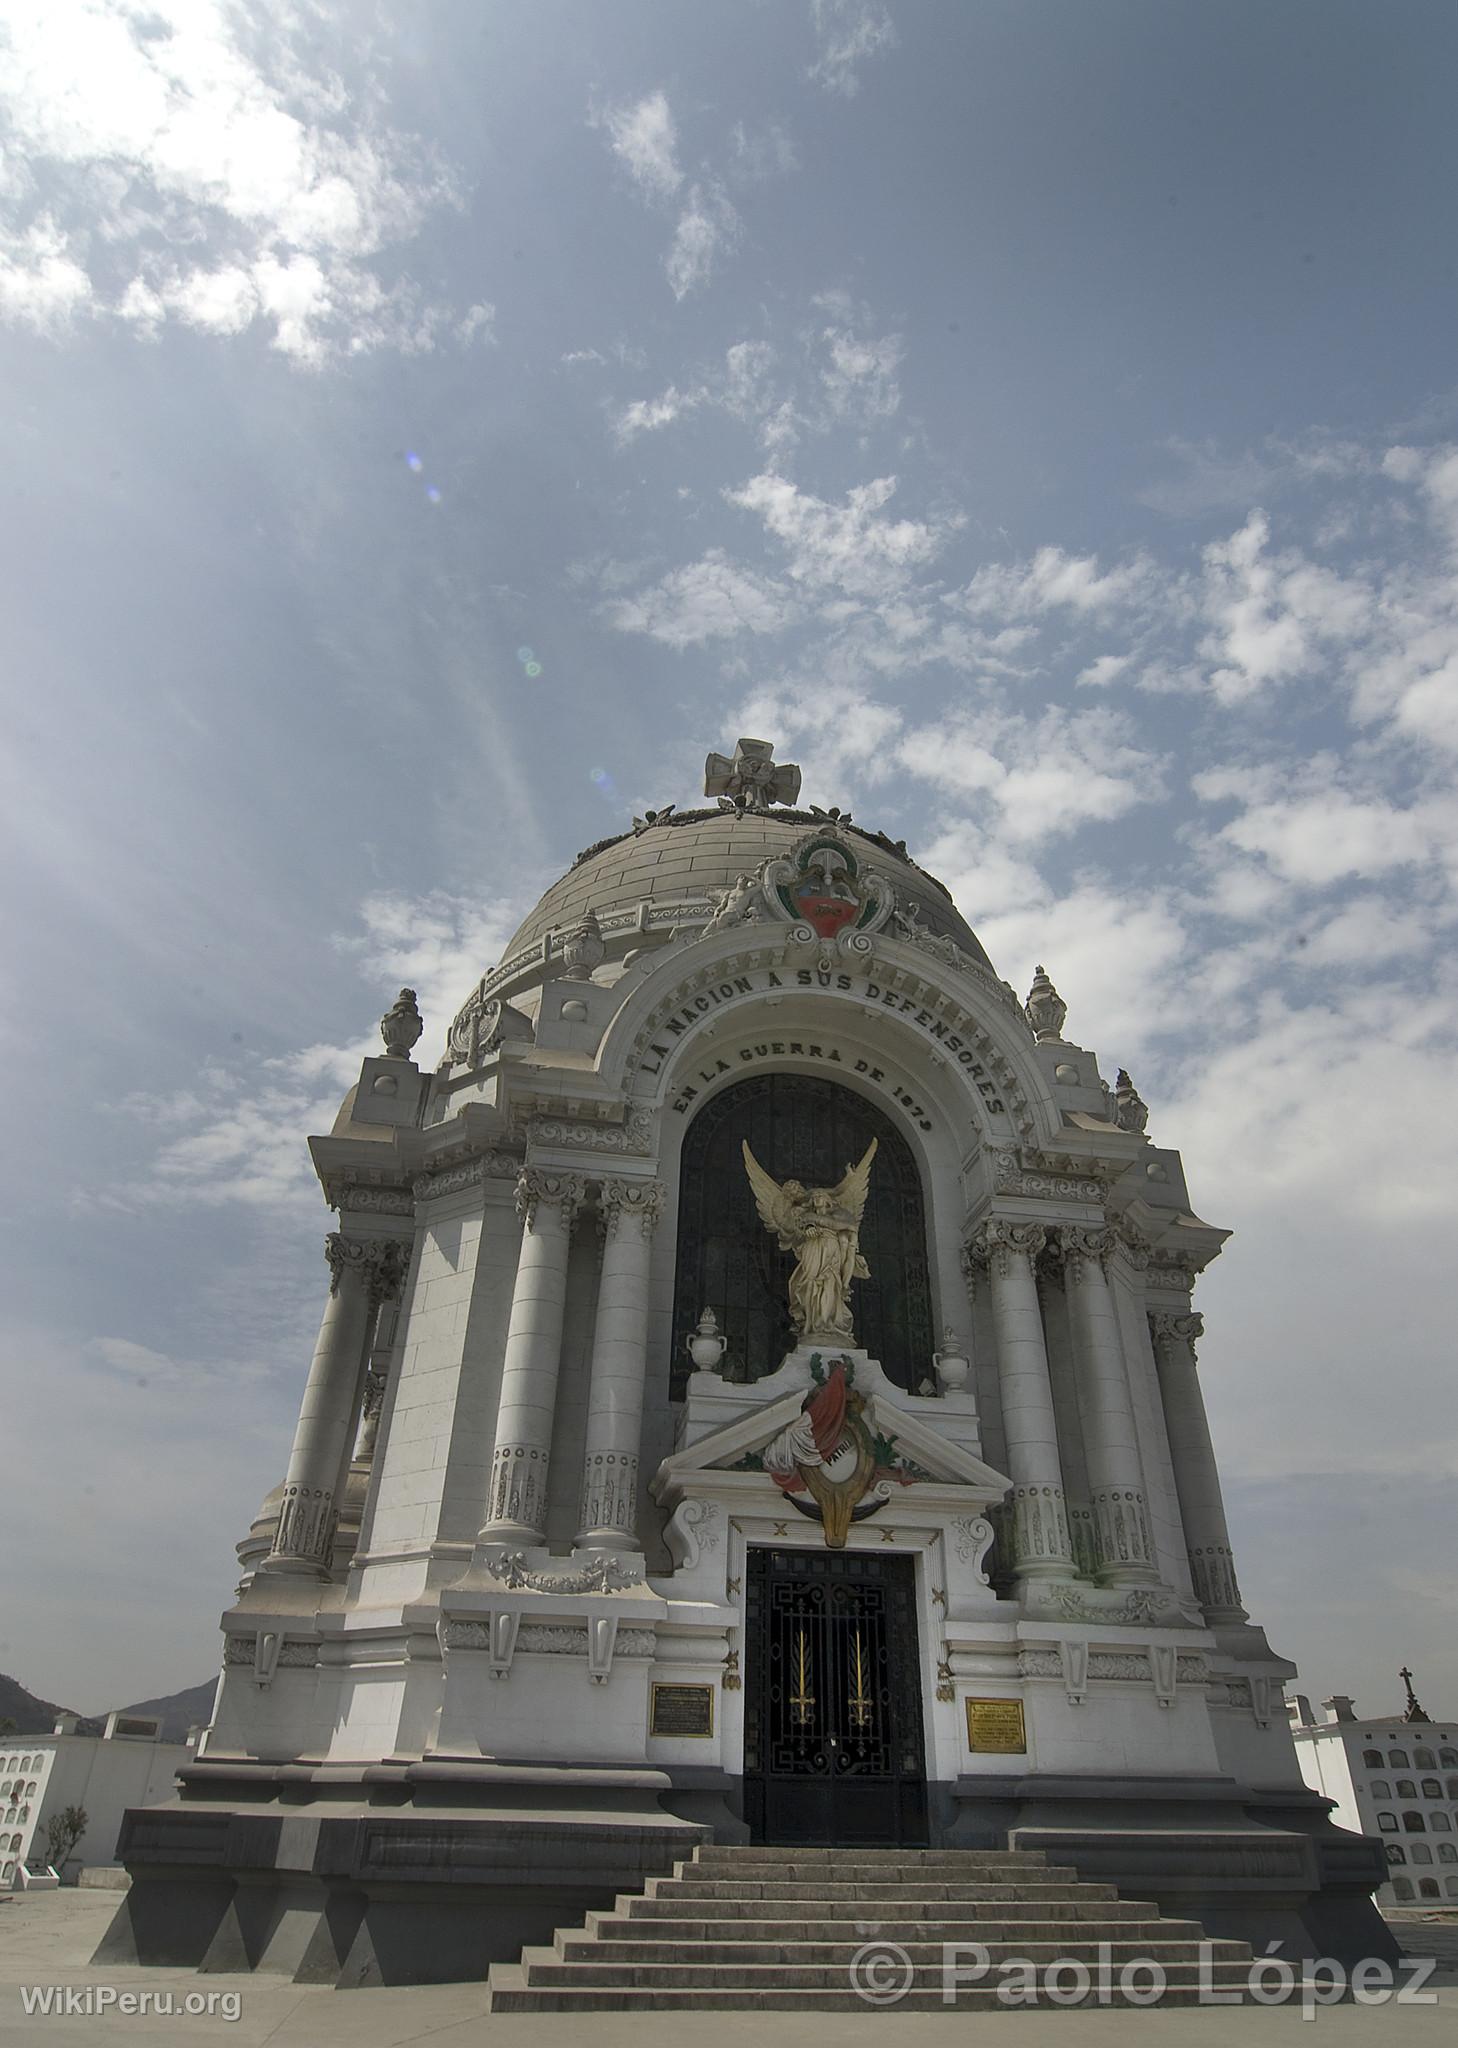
[1045,1010]
[401,1026]
[1412,1711]
[753,780]
[584,948]
[1131,1111]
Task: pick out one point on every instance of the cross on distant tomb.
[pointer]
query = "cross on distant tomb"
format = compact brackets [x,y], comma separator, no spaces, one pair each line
[753,780]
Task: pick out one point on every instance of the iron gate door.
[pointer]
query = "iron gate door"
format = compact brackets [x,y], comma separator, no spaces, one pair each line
[833,1748]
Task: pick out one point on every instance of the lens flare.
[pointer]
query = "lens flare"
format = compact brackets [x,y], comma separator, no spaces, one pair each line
[414,462]
[432,493]
[533,668]
[524,654]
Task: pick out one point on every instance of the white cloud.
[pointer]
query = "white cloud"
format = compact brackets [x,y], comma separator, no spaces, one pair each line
[179,127]
[237,1135]
[760,154]
[1109,949]
[710,599]
[849,546]
[1271,616]
[42,286]
[1105,670]
[647,415]
[1045,776]
[1319,836]
[849,32]
[645,141]
[858,376]
[1050,581]
[707,227]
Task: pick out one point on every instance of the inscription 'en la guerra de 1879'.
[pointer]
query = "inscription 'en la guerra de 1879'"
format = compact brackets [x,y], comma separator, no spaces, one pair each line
[731,989]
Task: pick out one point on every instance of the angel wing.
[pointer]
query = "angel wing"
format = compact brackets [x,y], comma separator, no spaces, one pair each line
[851,1194]
[776,1210]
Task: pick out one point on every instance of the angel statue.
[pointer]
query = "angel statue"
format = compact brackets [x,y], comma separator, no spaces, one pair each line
[822,1225]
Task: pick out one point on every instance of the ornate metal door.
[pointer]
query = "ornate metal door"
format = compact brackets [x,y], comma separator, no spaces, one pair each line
[812,1129]
[833,1747]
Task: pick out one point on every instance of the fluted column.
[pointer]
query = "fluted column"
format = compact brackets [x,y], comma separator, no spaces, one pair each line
[547,1203]
[1197,1477]
[1111,1441]
[609,1517]
[363,1271]
[1037,1516]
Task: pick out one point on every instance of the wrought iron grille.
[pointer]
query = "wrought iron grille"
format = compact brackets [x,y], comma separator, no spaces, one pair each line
[799,1126]
[832,1735]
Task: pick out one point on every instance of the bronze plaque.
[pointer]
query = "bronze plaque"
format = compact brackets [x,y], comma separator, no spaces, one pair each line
[682,1710]
[995,1727]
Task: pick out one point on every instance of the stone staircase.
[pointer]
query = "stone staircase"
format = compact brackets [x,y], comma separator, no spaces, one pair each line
[778,1930]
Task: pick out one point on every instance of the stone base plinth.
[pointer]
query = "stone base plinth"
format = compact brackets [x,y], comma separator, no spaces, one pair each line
[422,1883]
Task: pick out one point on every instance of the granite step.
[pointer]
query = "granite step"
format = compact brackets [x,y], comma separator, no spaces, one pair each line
[546,1970]
[1090,1926]
[792,1894]
[720,1935]
[724,1856]
[510,1993]
[883,1911]
[838,1955]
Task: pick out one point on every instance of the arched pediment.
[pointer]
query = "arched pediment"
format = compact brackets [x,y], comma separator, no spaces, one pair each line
[960,1034]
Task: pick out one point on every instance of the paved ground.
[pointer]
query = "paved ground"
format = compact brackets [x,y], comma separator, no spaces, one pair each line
[47,1939]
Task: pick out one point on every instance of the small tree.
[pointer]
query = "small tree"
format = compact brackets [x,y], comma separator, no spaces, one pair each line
[63,1831]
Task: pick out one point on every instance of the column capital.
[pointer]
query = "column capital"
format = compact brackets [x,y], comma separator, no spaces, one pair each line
[631,1201]
[377,1262]
[1082,1246]
[998,1240]
[536,1184]
[1167,1328]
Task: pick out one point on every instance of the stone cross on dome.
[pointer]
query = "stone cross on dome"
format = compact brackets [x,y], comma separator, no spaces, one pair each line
[753,780]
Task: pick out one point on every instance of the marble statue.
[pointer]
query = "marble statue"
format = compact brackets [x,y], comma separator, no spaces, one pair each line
[823,1226]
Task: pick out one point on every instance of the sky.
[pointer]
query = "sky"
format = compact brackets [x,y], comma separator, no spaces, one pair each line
[430,428]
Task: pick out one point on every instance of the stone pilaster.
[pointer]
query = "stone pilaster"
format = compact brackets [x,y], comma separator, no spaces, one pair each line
[1035,1516]
[363,1273]
[1197,1477]
[547,1203]
[1111,1442]
[630,1213]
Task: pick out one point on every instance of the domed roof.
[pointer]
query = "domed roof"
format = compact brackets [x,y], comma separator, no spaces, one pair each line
[702,853]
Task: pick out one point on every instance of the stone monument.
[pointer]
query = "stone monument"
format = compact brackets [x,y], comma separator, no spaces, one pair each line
[631,1389]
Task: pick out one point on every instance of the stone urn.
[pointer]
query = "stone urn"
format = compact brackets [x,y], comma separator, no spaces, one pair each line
[1045,1010]
[706,1345]
[952,1363]
[401,1026]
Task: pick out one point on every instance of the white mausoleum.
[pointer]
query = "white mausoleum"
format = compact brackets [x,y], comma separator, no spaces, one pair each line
[582,1552]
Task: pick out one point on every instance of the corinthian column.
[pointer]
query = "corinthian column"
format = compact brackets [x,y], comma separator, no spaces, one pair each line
[547,1203]
[630,1213]
[1111,1443]
[1038,1518]
[363,1272]
[1197,1479]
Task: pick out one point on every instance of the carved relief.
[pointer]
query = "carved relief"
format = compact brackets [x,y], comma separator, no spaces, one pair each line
[636,1204]
[998,1241]
[610,1490]
[601,1574]
[454,1180]
[378,1261]
[537,1186]
[634,1134]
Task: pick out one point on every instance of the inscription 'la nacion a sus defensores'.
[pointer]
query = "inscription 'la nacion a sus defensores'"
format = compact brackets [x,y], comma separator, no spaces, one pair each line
[732,989]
